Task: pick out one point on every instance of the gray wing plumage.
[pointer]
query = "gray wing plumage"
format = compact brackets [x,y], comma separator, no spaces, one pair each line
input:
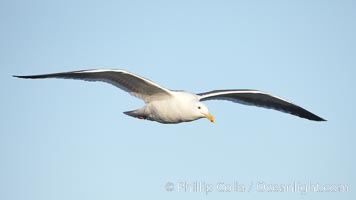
[131,83]
[260,99]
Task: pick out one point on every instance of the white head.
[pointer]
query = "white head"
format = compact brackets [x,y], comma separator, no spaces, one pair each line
[201,111]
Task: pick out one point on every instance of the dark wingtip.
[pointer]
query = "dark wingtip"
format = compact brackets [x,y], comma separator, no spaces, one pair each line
[308,115]
[318,119]
[31,77]
[16,76]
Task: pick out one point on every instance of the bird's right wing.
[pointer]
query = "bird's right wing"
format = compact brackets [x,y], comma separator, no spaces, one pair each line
[260,99]
[135,85]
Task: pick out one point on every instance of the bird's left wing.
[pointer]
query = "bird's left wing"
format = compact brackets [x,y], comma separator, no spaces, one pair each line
[135,85]
[260,99]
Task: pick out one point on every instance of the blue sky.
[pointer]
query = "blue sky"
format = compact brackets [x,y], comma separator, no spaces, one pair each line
[63,139]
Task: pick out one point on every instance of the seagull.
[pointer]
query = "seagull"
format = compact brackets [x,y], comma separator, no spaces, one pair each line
[175,106]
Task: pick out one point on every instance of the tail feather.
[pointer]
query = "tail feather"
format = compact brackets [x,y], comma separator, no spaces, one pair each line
[137,114]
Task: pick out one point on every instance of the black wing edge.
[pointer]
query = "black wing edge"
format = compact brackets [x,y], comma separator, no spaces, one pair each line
[54,75]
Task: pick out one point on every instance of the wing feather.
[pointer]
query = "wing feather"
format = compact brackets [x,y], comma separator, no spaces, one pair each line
[260,99]
[135,85]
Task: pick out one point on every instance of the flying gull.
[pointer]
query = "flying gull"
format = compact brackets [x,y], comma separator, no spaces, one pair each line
[171,106]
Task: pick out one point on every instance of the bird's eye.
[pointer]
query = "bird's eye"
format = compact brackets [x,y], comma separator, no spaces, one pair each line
[199,107]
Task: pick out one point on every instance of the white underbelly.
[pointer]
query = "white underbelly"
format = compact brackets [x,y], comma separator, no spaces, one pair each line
[167,112]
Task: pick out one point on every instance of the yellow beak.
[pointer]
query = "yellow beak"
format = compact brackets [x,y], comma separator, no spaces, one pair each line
[210,117]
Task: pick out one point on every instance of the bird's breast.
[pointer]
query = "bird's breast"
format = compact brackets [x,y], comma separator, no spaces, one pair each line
[169,111]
